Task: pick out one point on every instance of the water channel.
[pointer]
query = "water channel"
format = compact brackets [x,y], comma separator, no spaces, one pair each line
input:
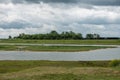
[93,55]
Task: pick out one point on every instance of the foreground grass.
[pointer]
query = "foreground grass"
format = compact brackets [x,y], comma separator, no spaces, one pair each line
[51,48]
[107,42]
[58,70]
[61,73]
[13,66]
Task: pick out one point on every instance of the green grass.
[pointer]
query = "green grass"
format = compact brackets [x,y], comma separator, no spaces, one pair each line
[51,48]
[107,42]
[58,70]
[64,48]
[8,47]
[13,66]
[68,76]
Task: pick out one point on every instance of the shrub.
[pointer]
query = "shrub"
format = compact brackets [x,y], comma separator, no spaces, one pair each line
[114,63]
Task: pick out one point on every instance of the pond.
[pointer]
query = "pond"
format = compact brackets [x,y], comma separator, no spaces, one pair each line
[94,55]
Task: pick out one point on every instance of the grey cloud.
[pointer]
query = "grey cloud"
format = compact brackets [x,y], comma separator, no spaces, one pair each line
[15,25]
[96,2]
[101,2]
[98,21]
[38,1]
[57,1]
[90,2]
[8,1]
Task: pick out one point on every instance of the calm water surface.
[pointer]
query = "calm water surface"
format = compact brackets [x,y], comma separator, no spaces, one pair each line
[102,54]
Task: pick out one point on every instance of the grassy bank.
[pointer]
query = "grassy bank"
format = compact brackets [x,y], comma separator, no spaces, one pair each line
[50,48]
[107,42]
[12,66]
[58,70]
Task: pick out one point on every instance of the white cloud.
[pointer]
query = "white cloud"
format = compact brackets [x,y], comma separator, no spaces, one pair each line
[44,17]
[47,13]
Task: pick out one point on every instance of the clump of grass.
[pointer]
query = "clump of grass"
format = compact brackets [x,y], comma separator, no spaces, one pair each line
[114,63]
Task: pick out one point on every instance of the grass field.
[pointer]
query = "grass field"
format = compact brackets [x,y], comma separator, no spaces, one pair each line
[104,42]
[62,70]
[51,48]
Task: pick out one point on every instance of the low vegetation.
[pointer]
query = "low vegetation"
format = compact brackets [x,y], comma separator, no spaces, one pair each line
[91,42]
[114,63]
[58,70]
[50,48]
[13,66]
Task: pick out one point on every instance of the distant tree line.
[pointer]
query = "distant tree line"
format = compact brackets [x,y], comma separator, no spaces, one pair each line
[54,35]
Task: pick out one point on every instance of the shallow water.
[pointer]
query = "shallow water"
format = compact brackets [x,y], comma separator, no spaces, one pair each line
[102,54]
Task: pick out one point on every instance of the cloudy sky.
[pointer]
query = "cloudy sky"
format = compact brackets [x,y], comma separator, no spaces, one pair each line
[42,16]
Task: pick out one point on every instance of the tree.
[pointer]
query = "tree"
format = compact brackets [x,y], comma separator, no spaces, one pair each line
[21,36]
[96,36]
[10,37]
[92,36]
[89,36]
[62,35]
[78,36]
[72,35]
[53,35]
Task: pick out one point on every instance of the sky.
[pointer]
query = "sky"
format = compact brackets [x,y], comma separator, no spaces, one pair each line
[43,16]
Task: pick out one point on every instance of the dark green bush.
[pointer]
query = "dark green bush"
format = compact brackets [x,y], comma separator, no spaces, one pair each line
[114,63]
